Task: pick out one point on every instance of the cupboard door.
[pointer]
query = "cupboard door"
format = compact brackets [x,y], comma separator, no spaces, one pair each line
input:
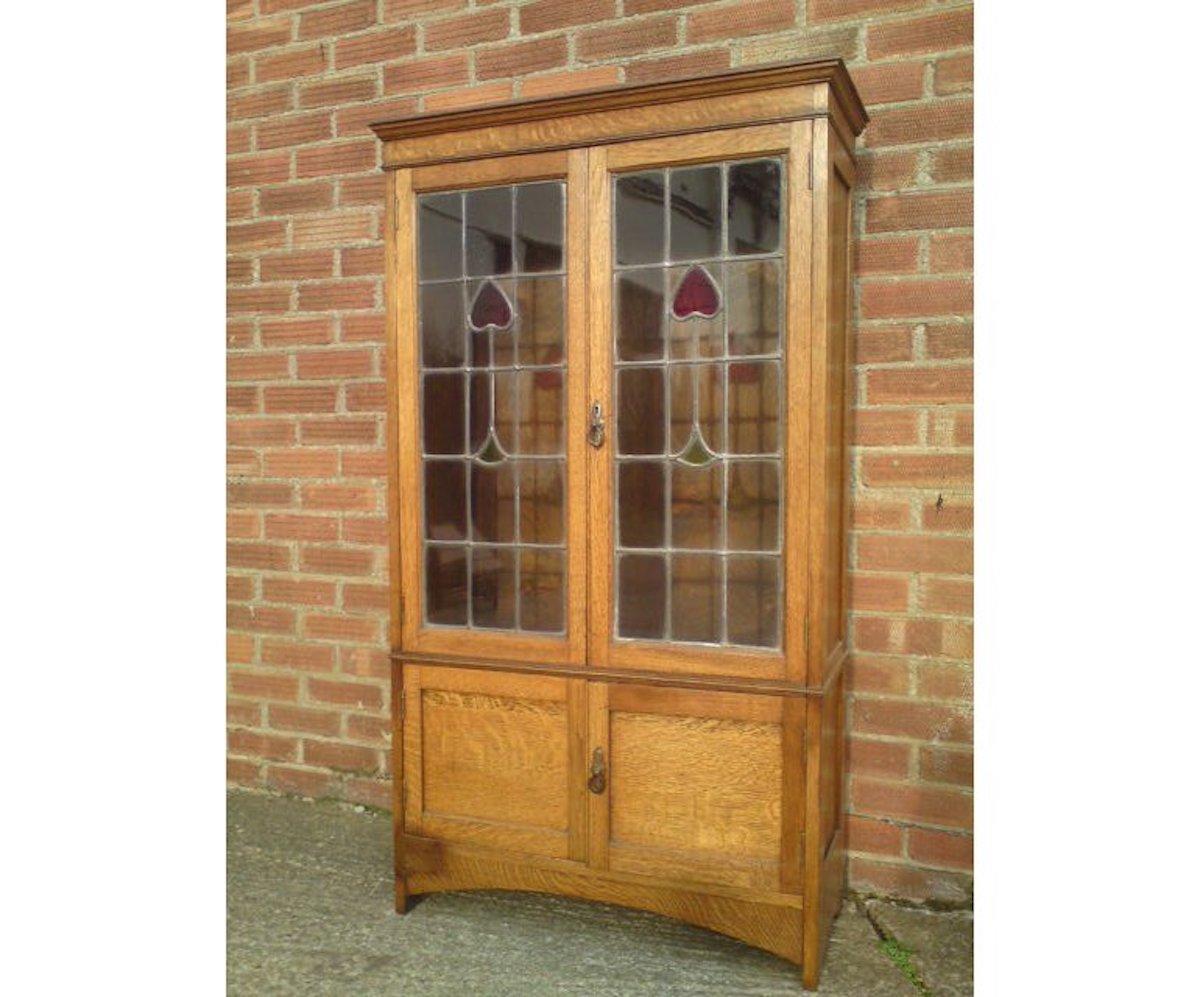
[490,413]
[694,785]
[697,355]
[495,759]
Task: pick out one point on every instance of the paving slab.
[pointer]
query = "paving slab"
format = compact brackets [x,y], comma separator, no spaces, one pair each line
[310,912]
[941,942]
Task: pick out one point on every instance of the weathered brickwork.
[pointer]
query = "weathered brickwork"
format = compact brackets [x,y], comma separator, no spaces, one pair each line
[308,670]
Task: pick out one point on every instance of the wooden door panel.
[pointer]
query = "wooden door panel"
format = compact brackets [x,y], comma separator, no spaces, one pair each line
[490,759]
[694,785]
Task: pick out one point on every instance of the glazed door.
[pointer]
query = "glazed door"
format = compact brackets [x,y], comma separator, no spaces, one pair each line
[698,367]
[695,785]
[495,759]
[491,406]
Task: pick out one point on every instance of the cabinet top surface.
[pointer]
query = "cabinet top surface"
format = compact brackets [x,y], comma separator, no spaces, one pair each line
[757,78]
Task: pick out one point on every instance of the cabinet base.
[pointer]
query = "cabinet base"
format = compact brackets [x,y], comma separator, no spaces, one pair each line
[773,922]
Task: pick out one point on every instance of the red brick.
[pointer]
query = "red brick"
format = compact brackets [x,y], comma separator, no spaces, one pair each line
[255,235]
[425,74]
[919,804]
[241,461]
[244,713]
[951,516]
[337,295]
[915,298]
[304,265]
[879,674]
[239,588]
[365,530]
[357,121]
[943,209]
[940,764]
[259,493]
[887,256]
[951,253]
[242,525]
[402,10]
[954,74]
[918,35]
[521,58]
[879,593]
[252,37]
[333,229]
[261,432]
[365,598]
[949,342]
[294,527]
[301,462]
[239,204]
[868,514]
[340,432]
[340,498]
[241,771]
[265,298]
[307,721]
[296,332]
[874,836]
[889,83]
[891,344]
[886,427]
[246,171]
[316,196]
[902,552]
[940,848]
[954,596]
[273,557]
[364,465]
[339,20]
[238,271]
[299,592]
[887,170]
[905,718]
[363,328]
[367,397]
[260,686]
[362,262]
[247,742]
[296,129]
[256,366]
[308,61]
[822,11]
[360,695]
[300,398]
[258,103]
[342,157]
[909,882]
[237,139]
[260,619]
[302,782]
[574,81]
[749,17]
[339,627]
[923,385]
[676,67]
[454,100]
[936,121]
[375,793]
[364,661]
[547,15]
[916,470]
[378,46]
[337,560]
[302,656]
[885,759]
[237,73]
[625,39]
[336,92]
[953,165]
[239,648]
[343,757]
[374,730]
[467,30]
[943,680]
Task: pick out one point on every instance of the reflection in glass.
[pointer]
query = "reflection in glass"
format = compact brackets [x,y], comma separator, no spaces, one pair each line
[493,502]
[754,198]
[641,504]
[489,231]
[543,590]
[753,302]
[493,587]
[696,494]
[443,339]
[640,410]
[539,213]
[752,601]
[695,213]
[443,411]
[642,599]
[445,500]
[640,219]
[542,512]
[640,315]
[695,597]
[446,585]
[440,235]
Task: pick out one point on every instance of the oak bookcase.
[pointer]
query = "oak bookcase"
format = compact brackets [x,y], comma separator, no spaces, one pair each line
[619,414]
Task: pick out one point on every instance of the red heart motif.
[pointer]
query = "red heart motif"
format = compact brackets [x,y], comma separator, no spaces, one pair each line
[491,309]
[697,295]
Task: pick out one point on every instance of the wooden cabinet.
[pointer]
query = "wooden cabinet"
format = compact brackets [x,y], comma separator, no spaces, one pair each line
[619,423]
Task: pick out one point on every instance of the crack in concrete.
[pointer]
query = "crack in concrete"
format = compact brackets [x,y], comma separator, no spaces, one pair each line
[898,955]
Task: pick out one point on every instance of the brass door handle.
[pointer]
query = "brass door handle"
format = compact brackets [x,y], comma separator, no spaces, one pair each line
[597,781]
[596,426]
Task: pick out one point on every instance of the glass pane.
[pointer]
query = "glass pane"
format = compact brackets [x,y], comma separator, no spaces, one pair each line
[446,585]
[443,325]
[696,494]
[542,514]
[702,332]
[543,586]
[493,414]
[493,587]
[489,231]
[697,409]
[754,198]
[696,597]
[696,213]
[540,320]
[541,407]
[753,303]
[752,601]
[445,500]
[698,386]
[491,321]
[753,505]
[440,236]
[639,314]
[493,502]
[539,227]
[640,410]
[443,412]
[754,409]
[641,504]
[641,595]
[640,218]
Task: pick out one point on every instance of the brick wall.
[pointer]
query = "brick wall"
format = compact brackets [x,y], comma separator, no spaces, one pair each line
[308,670]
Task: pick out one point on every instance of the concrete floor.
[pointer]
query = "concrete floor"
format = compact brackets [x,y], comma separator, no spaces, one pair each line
[310,912]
